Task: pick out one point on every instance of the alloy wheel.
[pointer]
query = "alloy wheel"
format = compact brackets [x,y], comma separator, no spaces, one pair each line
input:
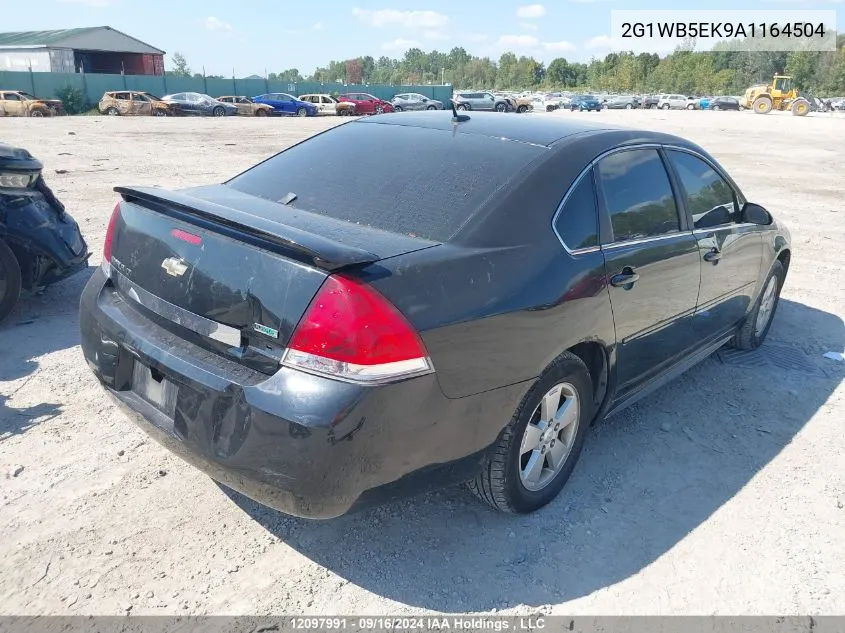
[549,437]
[767,306]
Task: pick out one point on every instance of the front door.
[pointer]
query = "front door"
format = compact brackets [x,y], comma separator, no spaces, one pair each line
[731,251]
[651,263]
[13,105]
[141,105]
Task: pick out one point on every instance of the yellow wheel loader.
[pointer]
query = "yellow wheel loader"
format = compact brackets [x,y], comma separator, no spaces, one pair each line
[779,95]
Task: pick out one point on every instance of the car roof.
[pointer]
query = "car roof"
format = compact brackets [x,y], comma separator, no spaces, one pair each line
[546,131]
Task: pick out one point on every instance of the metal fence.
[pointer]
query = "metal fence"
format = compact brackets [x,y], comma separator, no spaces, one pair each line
[45,85]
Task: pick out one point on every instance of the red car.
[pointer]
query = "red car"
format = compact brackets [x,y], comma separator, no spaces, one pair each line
[367,104]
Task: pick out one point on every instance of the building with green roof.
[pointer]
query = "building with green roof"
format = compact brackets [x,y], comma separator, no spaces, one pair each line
[97,49]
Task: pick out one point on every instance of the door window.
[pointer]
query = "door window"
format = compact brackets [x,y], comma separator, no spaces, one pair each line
[11,96]
[577,222]
[637,195]
[709,198]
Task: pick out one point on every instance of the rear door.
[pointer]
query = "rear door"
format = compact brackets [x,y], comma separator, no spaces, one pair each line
[651,263]
[731,251]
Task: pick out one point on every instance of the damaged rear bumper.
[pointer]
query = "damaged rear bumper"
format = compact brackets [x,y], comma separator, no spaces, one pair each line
[302,444]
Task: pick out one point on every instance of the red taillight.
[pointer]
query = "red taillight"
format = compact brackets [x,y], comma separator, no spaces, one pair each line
[106,264]
[350,331]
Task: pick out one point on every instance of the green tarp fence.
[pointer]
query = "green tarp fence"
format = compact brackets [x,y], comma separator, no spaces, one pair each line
[45,85]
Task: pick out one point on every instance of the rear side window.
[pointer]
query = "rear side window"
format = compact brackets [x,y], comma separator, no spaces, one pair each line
[350,173]
[577,222]
[637,195]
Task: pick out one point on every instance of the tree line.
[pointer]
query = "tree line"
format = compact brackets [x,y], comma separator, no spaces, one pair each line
[721,71]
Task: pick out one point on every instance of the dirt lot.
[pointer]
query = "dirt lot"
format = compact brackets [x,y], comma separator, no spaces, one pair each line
[722,493]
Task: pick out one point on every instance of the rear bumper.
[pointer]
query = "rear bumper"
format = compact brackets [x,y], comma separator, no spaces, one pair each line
[302,444]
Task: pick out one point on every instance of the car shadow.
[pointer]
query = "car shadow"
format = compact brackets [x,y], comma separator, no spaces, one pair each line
[40,324]
[647,478]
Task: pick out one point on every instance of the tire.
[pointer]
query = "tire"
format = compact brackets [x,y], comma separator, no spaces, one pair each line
[397,108]
[301,112]
[753,332]
[665,106]
[379,109]
[160,113]
[629,107]
[431,108]
[502,481]
[691,107]
[218,111]
[112,111]
[261,112]
[462,107]
[501,107]
[10,280]
[762,105]
[37,114]
[800,108]
[522,109]
[716,108]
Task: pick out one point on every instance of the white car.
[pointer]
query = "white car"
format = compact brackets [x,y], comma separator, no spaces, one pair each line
[544,103]
[676,102]
[326,104]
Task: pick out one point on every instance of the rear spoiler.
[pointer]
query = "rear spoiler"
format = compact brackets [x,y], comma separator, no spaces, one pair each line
[280,238]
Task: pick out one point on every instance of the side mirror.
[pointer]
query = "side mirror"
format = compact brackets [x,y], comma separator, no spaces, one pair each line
[755,214]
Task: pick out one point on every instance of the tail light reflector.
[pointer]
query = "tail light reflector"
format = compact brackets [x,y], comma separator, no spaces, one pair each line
[351,332]
[107,244]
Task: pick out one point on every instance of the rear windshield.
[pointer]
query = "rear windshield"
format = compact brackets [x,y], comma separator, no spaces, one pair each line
[416,181]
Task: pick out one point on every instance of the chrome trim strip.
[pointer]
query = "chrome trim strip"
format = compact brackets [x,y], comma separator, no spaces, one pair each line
[194,322]
[723,227]
[644,240]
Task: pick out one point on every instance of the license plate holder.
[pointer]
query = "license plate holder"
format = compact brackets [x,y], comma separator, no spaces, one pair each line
[153,387]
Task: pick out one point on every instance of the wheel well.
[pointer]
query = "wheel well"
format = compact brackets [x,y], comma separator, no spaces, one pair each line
[595,359]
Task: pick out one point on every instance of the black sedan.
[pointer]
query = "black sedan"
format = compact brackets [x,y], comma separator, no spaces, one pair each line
[724,103]
[324,339]
[197,104]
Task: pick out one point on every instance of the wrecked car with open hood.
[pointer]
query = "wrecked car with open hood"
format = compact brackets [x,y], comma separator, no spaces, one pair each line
[40,243]
[19,103]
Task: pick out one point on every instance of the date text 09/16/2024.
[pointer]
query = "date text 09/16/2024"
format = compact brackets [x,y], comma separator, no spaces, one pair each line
[416,623]
[718,30]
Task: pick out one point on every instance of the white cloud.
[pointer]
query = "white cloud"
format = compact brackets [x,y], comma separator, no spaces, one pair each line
[400,45]
[89,3]
[519,41]
[602,42]
[559,47]
[434,35]
[408,19]
[318,26]
[528,26]
[216,24]
[531,11]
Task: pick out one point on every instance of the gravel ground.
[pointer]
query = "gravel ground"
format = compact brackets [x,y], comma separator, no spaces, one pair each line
[720,494]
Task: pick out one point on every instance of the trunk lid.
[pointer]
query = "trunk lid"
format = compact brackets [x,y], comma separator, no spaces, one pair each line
[233,280]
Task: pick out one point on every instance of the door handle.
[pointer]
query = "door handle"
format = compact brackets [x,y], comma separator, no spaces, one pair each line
[713,256]
[626,278]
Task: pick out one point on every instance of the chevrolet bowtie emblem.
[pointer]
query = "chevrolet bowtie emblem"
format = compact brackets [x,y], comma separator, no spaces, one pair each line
[174,266]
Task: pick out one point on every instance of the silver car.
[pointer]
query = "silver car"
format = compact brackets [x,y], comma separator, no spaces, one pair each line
[414,101]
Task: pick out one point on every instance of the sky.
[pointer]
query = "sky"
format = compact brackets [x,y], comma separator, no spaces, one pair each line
[260,36]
